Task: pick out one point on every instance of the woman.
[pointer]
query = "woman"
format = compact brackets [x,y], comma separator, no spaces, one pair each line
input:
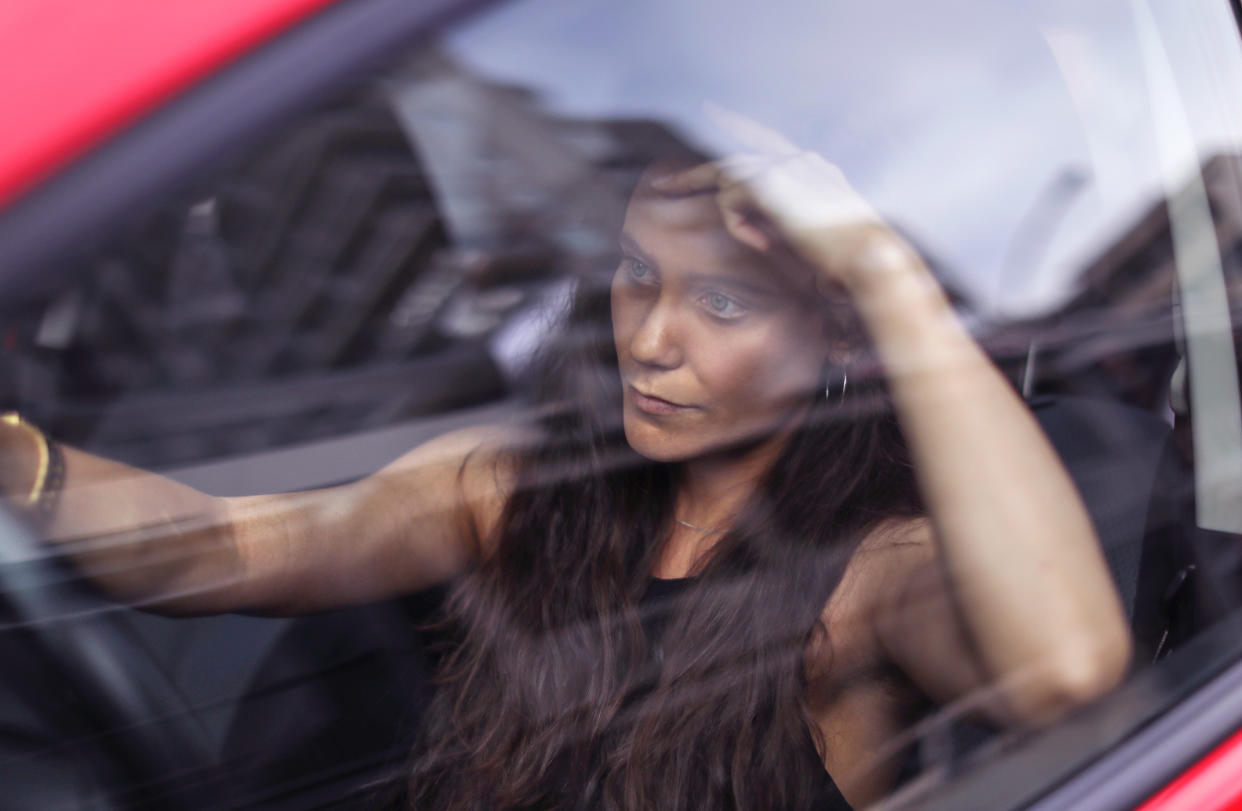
[726,563]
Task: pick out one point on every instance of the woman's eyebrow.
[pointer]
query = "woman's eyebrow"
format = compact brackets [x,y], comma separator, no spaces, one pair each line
[734,281]
[629,244]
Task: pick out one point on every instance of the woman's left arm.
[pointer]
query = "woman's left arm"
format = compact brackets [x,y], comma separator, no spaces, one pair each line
[1014,547]
[1016,593]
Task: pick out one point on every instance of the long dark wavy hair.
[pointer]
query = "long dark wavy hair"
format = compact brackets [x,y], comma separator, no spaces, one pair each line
[550,697]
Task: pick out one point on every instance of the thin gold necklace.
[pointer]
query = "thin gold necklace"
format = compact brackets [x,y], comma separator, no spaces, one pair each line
[703,530]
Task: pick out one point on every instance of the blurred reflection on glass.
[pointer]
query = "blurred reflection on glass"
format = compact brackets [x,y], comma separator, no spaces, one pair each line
[786,492]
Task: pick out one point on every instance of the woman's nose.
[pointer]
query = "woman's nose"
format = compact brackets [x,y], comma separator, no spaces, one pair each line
[656,342]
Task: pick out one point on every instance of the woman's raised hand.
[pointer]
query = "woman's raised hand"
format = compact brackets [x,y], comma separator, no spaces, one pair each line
[777,194]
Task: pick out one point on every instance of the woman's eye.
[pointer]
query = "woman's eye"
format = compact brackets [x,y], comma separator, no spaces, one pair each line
[640,270]
[721,306]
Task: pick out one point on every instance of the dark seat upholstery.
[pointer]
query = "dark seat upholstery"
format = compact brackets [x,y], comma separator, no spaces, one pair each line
[1113,453]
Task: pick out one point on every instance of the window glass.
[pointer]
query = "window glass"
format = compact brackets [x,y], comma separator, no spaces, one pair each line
[410,258]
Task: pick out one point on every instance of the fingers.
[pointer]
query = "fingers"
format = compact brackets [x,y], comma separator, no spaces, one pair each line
[747,232]
[703,178]
[742,219]
[712,176]
[725,179]
[750,133]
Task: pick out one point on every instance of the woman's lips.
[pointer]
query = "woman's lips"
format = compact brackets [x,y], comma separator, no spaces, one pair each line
[654,405]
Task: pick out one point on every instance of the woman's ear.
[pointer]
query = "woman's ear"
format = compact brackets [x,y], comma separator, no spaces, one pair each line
[842,331]
[838,349]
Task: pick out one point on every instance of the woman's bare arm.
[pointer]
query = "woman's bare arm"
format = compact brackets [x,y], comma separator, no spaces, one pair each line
[1012,538]
[1032,598]
[147,539]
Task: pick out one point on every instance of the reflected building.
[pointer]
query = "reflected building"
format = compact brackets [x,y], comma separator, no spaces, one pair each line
[366,266]
[1118,334]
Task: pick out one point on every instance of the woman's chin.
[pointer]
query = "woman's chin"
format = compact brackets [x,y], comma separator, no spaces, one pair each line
[665,445]
[655,445]
[655,451]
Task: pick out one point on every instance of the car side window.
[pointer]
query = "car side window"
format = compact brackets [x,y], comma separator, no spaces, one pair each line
[405,259]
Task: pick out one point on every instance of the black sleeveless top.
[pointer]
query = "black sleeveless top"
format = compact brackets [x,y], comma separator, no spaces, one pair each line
[654,609]
[575,786]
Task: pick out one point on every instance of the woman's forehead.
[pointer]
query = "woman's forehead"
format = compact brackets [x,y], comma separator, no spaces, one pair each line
[687,225]
[688,233]
[690,211]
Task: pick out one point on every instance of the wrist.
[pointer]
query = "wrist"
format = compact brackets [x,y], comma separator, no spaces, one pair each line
[863,261]
[906,313]
[889,276]
[19,461]
[31,467]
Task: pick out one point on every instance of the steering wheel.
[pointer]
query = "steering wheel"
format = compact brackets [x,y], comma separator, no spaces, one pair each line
[149,727]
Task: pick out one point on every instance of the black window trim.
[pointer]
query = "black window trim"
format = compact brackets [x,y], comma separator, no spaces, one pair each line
[1160,752]
[1121,751]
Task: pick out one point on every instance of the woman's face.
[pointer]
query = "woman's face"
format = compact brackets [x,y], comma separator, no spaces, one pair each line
[716,348]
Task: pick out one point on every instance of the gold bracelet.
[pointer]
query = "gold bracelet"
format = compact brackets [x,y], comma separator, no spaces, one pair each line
[50,473]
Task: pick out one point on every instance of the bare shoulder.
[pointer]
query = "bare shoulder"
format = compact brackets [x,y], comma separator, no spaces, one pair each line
[850,692]
[895,549]
[888,554]
[471,468]
[875,577]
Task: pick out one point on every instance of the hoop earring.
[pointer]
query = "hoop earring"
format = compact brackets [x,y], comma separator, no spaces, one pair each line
[845,382]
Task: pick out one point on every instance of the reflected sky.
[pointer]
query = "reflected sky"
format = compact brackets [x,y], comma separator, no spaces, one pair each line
[1013,139]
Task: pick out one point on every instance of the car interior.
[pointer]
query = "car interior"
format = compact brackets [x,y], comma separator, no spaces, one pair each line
[381,269]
